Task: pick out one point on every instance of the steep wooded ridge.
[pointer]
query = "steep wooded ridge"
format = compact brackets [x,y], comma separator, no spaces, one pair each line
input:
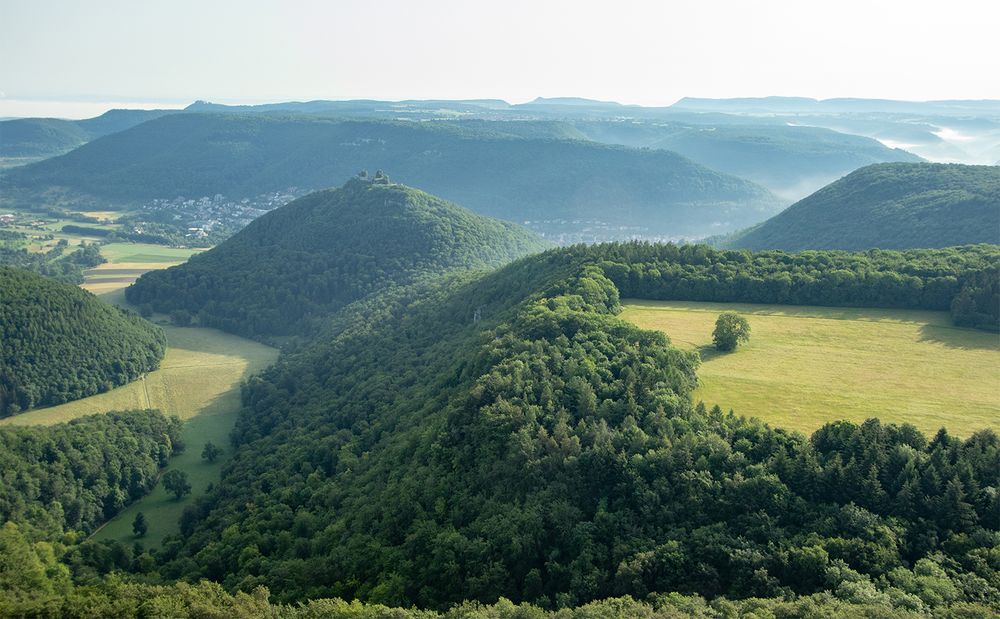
[891,206]
[507,435]
[297,264]
[62,343]
[75,476]
[490,172]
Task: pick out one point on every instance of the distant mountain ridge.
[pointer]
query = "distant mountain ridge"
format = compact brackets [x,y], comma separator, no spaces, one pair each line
[790,160]
[837,104]
[46,137]
[889,206]
[504,176]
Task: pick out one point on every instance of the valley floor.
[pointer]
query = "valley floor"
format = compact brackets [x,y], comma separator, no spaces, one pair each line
[805,366]
[198,380]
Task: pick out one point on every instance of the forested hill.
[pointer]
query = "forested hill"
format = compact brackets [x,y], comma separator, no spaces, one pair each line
[504,176]
[891,206]
[549,452]
[791,160]
[61,343]
[45,137]
[305,260]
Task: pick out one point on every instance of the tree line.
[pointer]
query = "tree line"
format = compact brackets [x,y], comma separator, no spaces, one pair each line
[960,279]
[55,263]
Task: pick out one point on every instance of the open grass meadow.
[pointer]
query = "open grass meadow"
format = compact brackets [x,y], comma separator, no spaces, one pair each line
[198,380]
[805,366]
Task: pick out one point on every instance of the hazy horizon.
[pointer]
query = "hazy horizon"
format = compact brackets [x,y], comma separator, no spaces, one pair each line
[70,59]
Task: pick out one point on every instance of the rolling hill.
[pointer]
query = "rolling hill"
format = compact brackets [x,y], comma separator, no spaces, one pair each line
[33,138]
[501,176]
[39,137]
[889,206]
[790,160]
[61,343]
[303,261]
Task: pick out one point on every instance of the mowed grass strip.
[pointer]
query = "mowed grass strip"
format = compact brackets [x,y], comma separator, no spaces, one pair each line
[806,366]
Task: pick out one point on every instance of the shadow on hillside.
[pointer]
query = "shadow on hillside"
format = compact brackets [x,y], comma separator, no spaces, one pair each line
[959,337]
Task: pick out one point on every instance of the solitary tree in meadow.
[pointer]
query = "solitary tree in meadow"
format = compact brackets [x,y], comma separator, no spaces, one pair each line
[731,329]
[177,482]
[210,452]
[139,526]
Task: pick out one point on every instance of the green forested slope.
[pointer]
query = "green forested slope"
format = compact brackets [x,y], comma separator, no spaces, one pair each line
[785,159]
[550,453]
[62,343]
[45,137]
[39,137]
[792,161]
[295,265]
[75,476]
[891,206]
[491,172]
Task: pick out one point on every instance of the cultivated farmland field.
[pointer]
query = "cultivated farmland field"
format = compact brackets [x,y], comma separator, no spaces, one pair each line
[805,366]
[126,262]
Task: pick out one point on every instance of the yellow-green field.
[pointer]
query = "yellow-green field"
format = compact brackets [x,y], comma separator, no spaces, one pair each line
[126,262]
[198,380]
[805,366]
[200,375]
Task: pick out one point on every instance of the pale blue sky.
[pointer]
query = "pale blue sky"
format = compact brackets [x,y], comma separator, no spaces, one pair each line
[149,52]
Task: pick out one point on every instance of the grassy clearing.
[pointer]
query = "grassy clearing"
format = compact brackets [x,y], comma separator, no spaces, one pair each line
[805,366]
[103,215]
[161,509]
[198,380]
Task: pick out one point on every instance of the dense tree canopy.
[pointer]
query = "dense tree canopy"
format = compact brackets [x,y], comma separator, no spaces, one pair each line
[978,303]
[62,343]
[77,475]
[292,267]
[508,436]
[454,437]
